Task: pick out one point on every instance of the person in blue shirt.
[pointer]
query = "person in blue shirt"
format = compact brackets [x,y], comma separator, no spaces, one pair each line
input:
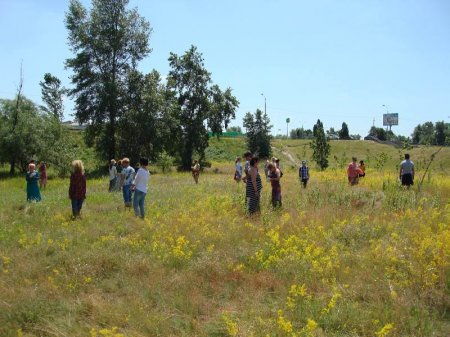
[127,177]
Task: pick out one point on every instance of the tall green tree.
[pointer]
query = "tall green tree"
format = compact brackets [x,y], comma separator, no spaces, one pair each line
[415,137]
[380,133]
[442,132]
[196,105]
[108,42]
[320,146]
[258,133]
[52,95]
[424,134]
[143,131]
[343,132]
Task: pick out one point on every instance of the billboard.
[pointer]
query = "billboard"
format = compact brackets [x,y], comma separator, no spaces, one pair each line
[390,119]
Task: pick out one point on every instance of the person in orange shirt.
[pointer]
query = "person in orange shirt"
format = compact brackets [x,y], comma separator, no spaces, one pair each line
[353,172]
[362,166]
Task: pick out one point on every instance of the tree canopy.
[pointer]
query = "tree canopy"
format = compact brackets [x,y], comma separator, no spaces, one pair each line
[53,95]
[258,128]
[196,105]
[301,133]
[432,134]
[343,132]
[147,129]
[108,42]
[27,133]
[320,146]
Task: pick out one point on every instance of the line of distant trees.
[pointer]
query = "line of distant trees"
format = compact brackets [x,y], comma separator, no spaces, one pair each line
[428,133]
[331,133]
[432,134]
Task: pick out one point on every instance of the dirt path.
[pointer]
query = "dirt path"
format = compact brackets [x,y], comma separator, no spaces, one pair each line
[287,154]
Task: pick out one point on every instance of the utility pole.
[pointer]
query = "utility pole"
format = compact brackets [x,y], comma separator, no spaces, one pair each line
[288,120]
[265,105]
[387,112]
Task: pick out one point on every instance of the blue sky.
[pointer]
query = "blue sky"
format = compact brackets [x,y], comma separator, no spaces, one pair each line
[333,60]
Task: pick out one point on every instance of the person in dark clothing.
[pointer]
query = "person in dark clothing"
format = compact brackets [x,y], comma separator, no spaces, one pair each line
[77,188]
[303,173]
[274,177]
[253,187]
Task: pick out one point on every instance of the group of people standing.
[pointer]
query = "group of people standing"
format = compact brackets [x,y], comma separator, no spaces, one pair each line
[356,171]
[77,187]
[251,177]
[253,182]
[123,177]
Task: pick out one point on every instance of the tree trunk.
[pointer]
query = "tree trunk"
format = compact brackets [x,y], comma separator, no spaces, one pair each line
[12,169]
[186,156]
[112,139]
[113,111]
[111,132]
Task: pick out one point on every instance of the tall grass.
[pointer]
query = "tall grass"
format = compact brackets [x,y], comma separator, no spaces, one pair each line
[372,260]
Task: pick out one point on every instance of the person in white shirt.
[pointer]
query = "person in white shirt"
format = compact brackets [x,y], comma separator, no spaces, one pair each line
[407,172]
[112,175]
[140,187]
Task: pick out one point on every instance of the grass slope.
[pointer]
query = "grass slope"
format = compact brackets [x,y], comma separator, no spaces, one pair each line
[376,156]
[335,261]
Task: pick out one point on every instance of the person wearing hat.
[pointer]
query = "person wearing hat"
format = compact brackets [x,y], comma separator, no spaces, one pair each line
[303,173]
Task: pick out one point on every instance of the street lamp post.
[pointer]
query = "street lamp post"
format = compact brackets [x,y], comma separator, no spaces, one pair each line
[387,112]
[265,105]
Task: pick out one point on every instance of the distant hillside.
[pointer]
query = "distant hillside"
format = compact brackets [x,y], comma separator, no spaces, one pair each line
[374,154]
[225,149]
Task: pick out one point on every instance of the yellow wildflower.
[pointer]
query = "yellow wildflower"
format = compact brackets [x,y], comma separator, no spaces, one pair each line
[385,330]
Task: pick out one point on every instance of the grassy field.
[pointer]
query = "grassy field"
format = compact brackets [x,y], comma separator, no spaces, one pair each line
[373,260]
[379,157]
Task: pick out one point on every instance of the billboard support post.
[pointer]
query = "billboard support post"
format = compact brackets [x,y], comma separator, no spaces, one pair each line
[390,119]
